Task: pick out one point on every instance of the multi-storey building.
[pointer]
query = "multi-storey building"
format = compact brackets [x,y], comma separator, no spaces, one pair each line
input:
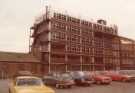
[127,54]
[65,43]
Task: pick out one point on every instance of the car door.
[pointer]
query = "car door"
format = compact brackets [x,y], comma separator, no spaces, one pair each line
[50,81]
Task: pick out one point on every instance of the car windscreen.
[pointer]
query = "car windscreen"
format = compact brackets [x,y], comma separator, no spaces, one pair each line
[123,72]
[28,82]
[127,72]
[87,75]
[65,77]
[77,75]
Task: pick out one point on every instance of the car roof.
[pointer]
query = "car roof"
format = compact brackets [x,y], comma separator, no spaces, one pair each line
[27,77]
[48,77]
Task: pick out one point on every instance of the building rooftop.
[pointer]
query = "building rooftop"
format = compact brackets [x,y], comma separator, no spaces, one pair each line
[17,57]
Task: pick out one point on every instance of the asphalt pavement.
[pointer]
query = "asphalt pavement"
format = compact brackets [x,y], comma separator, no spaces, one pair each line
[114,87]
[4,86]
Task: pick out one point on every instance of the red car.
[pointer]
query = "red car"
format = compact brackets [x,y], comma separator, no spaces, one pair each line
[128,75]
[101,79]
[118,76]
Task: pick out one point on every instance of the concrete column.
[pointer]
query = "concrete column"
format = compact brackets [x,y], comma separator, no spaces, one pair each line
[93,63]
[103,53]
[81,68]
[93,47]
[49,47]
[81,63]
[66,56]
[66,60]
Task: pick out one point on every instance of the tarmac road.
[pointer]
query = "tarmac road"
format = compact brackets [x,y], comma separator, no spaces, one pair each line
[115,87]
[4,86]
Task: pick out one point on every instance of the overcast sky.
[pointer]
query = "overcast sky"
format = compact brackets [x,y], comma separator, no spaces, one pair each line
[17,16]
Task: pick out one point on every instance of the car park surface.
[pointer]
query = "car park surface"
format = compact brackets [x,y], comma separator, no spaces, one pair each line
[114,87]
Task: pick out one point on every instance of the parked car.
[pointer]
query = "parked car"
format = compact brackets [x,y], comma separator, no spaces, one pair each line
[119,76]
[28,84]
[50,80]
[88,76]
[63,80]
[81,78]
[129,75]
[99,78]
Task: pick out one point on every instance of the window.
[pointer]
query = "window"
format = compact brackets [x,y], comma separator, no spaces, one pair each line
[58,35]
[28,82]
[73,30]
[59,25]
[73,20]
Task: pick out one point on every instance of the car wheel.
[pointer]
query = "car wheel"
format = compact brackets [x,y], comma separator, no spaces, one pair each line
[69,86]
[64,86]
[124,80]
[98,82]
[60,86]
[87,84]
[107,83]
